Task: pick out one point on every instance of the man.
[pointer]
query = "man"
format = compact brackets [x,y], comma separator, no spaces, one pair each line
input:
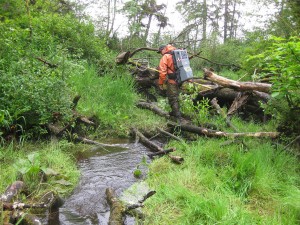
[167,77]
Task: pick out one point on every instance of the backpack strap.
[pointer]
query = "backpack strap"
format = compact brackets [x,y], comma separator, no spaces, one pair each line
[174,61]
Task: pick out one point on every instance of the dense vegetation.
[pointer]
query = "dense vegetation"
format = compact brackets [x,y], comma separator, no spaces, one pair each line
[50,53]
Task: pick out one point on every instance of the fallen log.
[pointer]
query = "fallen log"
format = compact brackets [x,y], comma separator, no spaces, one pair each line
[154,147]
[164,152]
[240,100]
[154,108]
[14,189]
[215,133]
[92,142]
[57,130]
[237,85]
[49,200]
[20,206]
[169,134]
[19,210]
[148,195]
[263,96]
[226,97]
[117,209]
[151,145]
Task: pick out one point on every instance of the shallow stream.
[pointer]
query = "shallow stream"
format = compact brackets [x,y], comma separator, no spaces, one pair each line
[100,169]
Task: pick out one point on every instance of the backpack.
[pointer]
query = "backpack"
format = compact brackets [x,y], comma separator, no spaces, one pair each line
[183,70]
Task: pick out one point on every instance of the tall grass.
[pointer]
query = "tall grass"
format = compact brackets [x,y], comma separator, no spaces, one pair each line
[111,98]
[227,184]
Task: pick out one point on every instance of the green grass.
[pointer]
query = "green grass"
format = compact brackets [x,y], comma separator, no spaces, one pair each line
[111,98]
[227,184]
[17,164]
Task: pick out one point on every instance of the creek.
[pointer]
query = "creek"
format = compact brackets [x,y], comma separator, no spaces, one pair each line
[100,169]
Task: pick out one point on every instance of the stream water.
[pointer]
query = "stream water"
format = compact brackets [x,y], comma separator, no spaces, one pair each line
[100,168]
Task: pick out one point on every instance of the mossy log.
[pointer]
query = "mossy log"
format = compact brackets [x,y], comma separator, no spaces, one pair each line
[117,209]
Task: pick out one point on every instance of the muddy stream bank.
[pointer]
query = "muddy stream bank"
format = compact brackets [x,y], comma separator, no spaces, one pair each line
[100,168]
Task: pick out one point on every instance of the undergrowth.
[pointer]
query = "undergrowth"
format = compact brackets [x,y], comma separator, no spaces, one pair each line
[247,181]
[41,167]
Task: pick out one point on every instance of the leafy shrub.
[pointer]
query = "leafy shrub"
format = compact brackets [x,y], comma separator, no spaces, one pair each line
[200,111]
[281,61]
[31,91]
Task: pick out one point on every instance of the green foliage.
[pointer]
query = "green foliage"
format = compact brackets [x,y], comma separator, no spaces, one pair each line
[199,112]
[40,42]
[138,173]
[52,162]
[111,97]
[281,60]
[229,53]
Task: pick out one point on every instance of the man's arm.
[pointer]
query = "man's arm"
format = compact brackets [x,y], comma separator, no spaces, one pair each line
[163,70]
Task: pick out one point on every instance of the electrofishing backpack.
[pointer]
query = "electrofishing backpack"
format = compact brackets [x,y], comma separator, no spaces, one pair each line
[183,70]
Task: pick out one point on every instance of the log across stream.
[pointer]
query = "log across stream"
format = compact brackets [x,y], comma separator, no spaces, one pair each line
[100,169]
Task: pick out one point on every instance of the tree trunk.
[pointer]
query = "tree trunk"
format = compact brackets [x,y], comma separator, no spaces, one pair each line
[148,27]
[108,17]
[113,18]
[226,20]
[204,19]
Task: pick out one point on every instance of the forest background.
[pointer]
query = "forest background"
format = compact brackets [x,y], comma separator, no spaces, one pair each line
[52,51]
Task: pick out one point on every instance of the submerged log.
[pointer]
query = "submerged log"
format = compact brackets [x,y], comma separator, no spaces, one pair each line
[215,133]
[237,85]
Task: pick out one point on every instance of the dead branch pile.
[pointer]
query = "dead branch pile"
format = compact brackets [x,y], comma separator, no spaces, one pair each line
[243,98]
[14,210]
[239,97]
